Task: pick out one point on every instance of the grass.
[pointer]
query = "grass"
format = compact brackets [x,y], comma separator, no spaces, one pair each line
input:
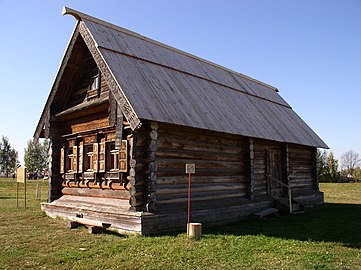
[325,237]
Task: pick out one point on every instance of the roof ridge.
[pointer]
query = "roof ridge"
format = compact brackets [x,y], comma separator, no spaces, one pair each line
[79,15]
[198,76]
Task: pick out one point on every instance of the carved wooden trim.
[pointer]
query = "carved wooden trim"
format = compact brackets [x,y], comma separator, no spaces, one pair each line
[119,129]
[116,90]
[47,124]
[112,109]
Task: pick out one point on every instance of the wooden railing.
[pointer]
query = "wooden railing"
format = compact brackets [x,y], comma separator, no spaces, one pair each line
[289,193]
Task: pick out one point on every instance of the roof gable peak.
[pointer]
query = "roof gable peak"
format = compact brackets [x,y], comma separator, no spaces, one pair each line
[82,16]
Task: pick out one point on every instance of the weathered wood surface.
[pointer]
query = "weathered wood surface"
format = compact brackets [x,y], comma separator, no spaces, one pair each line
[261,148]
[118,194]
[177,220]
[111,217]
[301,174]
[221,167]
[55,180]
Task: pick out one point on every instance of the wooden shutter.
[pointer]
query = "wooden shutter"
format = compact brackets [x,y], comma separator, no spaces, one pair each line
[74,166]
[101,157]
[80,157]
[123,164]
[95,157]
[62,160]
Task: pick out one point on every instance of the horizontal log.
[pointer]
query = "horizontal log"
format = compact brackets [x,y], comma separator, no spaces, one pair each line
[267,144]
[202,198]
[261,171]
[260,177]
[200,164]
[199,155]
[301,162]
[201,205]
[260,192]
[300,171]
[117,194]
[183,188]
[300,151]
[201,179]
[239,192]
[124,221]
[306,185]
[182,144]
[298,156]
[301,182]
[300,176]
[200,172]
[259,163]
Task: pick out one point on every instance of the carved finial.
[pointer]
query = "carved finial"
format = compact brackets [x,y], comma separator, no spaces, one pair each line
[69,11]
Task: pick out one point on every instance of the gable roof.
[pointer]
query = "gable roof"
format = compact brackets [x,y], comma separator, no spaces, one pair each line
[153,81]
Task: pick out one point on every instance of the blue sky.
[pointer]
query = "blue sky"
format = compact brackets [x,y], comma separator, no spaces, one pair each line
[310,50]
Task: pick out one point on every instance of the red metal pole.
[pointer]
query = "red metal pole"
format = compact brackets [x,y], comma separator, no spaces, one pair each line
[189,198]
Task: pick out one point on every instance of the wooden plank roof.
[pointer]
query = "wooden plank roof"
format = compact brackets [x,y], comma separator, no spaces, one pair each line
[153,81]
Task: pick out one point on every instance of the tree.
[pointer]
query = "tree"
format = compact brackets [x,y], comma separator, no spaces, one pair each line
[357,173]
[35,156]
[327,166]
[8,157]
[350,160]
[321,162]
[332,166]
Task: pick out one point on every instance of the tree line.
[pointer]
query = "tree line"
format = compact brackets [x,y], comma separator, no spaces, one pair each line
[330,169]
[35,157]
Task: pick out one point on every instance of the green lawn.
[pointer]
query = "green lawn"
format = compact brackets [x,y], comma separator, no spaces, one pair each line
[325,237]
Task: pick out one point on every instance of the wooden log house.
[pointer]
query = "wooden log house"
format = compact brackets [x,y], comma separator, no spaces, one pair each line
[126,113]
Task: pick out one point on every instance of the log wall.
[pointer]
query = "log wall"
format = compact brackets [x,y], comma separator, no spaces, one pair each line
[301,167]
[221,177]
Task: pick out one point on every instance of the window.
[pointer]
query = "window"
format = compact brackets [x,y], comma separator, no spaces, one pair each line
[95,82]
[88,156]
[94,87]
[117,159]
[113,157]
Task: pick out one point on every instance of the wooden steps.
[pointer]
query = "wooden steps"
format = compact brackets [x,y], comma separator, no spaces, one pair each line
[282,203]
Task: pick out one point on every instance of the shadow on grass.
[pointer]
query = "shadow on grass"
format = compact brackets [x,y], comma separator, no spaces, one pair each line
[9,197]
[326,223]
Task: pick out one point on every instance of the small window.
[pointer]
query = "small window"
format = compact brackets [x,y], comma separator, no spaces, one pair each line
[95,82]
[114,158]
[88,162]
[94,87]
[117,158]
[69,160]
